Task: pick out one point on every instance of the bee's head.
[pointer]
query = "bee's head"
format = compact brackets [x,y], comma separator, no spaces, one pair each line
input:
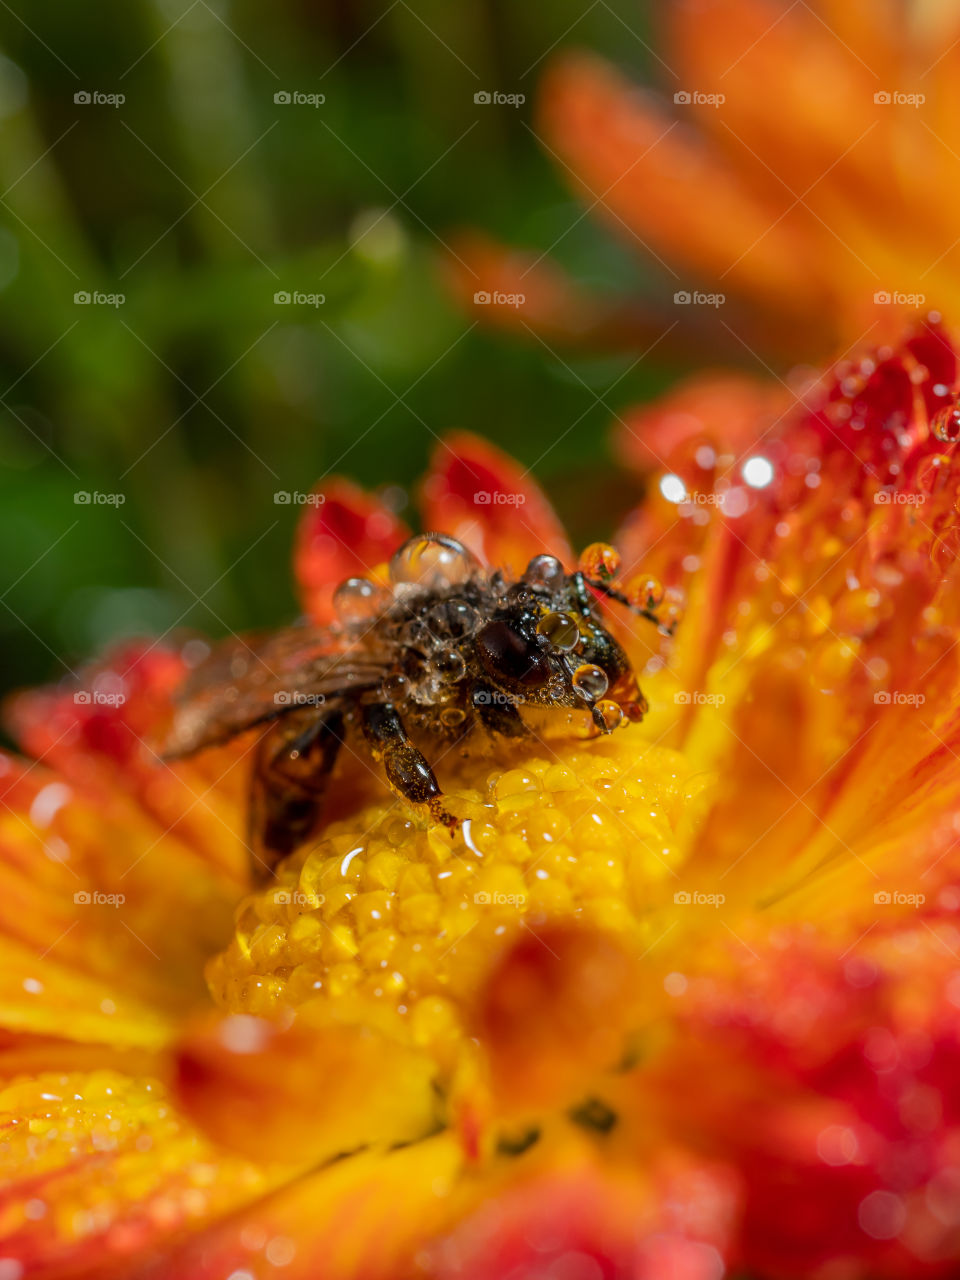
[548,644]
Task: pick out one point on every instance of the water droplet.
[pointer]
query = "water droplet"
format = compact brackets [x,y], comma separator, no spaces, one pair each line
[645,592]
[450,665]
[432,560]
[590,682]
[544,573]
[610,713]
[452,717]
[945,424]
[358,601]
[600,561]
[561,630]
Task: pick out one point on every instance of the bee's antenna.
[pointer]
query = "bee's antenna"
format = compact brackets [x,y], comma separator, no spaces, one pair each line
[614,593]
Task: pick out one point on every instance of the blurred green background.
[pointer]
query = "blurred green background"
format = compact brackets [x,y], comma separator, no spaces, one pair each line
[198,198]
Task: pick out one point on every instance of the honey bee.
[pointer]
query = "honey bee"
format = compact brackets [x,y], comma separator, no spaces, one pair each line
[445,649]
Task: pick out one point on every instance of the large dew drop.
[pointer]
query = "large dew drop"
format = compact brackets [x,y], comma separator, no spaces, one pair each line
[432,561]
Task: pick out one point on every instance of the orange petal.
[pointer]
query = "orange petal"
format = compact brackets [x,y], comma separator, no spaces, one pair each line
[301,1092]
[727,412]
[99,1174]
[554,1014]
[649,175]
[481,496]
[362,1218]
[346,533]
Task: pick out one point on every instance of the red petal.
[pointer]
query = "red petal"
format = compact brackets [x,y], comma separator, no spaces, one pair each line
[480,495]
[345,533]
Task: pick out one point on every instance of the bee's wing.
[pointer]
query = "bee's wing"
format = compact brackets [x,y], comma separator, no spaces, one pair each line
[248,680]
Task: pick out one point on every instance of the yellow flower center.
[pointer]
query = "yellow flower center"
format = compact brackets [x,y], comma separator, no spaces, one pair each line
[394,925]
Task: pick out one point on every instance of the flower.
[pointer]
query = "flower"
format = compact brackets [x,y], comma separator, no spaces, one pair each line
[681,1000]
[802,175]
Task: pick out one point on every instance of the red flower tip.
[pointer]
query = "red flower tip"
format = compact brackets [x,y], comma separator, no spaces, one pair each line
[479,495]
[345,532]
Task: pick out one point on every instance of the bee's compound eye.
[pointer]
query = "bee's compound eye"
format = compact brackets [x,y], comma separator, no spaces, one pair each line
[561,629]
[432,560]
[507,656]
[544,573]
[358,601]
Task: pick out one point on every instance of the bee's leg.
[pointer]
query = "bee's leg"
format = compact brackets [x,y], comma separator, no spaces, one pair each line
[497,715]
[292,766]
[406,768]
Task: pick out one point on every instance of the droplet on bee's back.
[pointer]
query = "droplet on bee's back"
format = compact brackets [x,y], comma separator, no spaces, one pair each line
[544,572]
[600,561]
[358,601]
[945,424]
[450,665]
[432,560]
[561,630]
[590,682]
[610,713]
